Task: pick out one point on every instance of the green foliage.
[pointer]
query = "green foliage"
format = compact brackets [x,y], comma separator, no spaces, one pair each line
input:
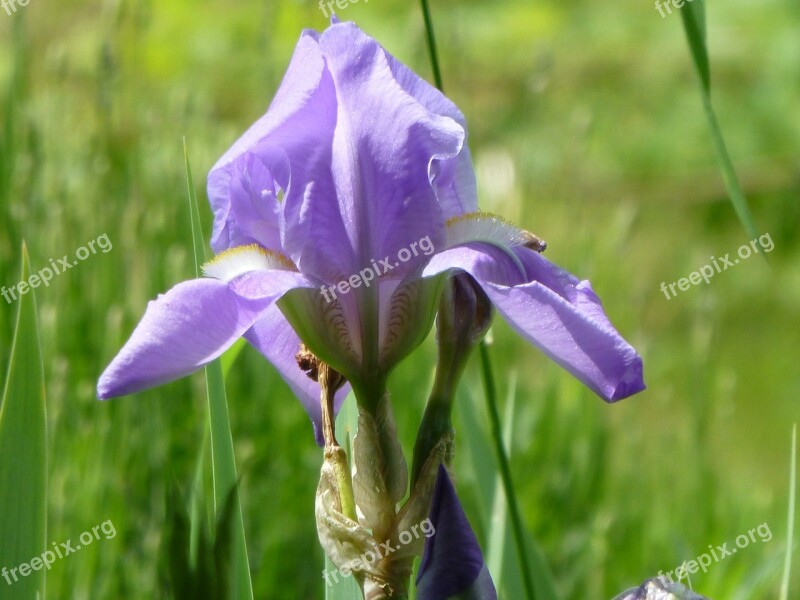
[223,462]
[201,568]
[23,456]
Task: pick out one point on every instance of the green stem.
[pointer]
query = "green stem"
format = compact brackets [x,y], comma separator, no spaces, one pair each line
[505,470]
[370,387]
[437,74]
[488,378]
[436,422]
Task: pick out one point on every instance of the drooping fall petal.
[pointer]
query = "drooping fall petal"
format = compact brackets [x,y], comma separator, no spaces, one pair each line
[554,311]
[189,326]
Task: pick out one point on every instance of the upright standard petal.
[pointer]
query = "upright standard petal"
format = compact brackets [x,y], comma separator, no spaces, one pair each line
[359,155]
[385,144]
[453,178]
[293,141]
[553,310]
[189,326]
[452,565]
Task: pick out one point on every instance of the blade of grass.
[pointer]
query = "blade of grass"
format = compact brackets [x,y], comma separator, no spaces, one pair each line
[197,511]
[14,99]
[498,517]
[787,569]
[231,354]
[23,453]
[694,24]
[505,471]
[431,41]
[223,461]
[489,496]
[492,506]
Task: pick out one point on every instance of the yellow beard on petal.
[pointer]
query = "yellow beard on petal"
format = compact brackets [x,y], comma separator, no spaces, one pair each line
[231,263]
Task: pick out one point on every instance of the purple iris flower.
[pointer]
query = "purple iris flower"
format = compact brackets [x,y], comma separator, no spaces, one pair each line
[337,216]
[452,565]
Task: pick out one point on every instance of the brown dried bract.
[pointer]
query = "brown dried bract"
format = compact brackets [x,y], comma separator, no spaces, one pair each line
[308,362]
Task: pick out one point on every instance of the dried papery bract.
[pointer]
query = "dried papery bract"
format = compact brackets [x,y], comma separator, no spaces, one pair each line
[379,481]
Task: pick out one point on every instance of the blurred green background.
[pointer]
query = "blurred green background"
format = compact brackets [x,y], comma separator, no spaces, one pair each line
[586,128]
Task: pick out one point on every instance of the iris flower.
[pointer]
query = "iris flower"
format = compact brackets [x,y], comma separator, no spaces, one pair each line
[357,165]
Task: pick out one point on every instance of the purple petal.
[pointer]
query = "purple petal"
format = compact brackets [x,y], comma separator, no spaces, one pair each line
[370,158]
[276,340]
[553,310]
[189,326]
[453,178]
[251,211]
[383,149]
[293,142]
[452,563]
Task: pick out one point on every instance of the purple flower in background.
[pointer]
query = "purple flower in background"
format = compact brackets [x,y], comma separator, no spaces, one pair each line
[336,217]
[452,565]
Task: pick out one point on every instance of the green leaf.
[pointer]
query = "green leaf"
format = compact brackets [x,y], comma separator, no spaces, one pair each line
[223,461]
[231,354]
[23,455]
[694,24]
[493,505]
[500,545]
[338,587]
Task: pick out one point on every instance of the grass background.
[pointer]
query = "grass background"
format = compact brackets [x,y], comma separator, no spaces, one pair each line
[586,128]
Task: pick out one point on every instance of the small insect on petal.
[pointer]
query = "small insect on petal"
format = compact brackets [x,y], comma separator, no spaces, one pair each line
[491,229]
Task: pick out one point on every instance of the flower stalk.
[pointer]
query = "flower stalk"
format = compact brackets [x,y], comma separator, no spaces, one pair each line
[464,316]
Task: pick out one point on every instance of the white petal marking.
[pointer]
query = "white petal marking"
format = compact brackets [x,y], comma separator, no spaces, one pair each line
[231,263]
